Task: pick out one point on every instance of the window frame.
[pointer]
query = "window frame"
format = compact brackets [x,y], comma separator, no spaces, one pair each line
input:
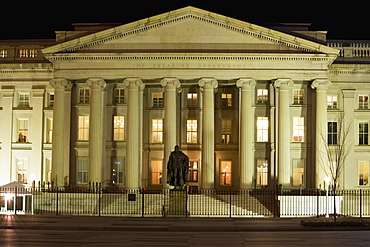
[226,174]
[119,128]
[332,138]
[298,129]
[363,137]
[262,132]
[157,130]
[262,172]
[192,133]
[84,129]
[363,104]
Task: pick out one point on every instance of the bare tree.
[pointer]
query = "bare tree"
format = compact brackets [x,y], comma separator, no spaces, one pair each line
[337,148]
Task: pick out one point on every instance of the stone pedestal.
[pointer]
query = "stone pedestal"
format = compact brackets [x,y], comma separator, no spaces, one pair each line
[176,203]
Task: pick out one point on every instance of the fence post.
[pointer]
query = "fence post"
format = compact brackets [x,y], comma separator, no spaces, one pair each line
[15,200]
[230,208]
[360,203]
[57,202]
[142,202]
[99,193]
[317,202]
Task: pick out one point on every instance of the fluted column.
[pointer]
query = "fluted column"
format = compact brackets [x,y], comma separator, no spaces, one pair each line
[96,130]
[133,148]
[208,133]
[321,86]
[61,121]
[284,131]
[170,124]
[246,118]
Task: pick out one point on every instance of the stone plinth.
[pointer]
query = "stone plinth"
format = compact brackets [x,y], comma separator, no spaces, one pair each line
[176,203]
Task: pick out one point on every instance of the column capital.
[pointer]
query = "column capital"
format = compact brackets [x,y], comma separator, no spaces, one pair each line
[132,82]
[320,84]
[208,83]
[170,81]
[283,83]
[61,84]
[246,83]
[96,83]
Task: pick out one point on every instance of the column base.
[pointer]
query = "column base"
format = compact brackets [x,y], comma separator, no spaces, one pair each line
[177,203]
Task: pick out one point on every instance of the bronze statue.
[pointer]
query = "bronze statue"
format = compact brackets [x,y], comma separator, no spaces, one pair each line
[177,168]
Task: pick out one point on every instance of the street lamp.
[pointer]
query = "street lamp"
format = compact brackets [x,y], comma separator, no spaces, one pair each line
[327,182]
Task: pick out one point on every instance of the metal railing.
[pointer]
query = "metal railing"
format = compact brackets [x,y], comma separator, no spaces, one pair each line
[202,203]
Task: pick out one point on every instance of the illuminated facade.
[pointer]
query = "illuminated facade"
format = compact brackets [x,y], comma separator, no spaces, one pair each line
[247,104]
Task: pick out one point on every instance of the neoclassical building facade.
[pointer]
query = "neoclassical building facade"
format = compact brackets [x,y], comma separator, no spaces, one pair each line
[252,107]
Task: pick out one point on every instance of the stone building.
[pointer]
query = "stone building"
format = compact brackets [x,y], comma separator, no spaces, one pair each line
[107,103]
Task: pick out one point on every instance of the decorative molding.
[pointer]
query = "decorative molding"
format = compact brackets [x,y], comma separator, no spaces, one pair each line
[208,83]
[133,82]
[246,83]
[320,84]
[61,84]
[283,84]
[96,83]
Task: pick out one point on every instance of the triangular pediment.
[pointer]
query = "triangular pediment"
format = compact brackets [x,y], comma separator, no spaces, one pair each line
[189,30]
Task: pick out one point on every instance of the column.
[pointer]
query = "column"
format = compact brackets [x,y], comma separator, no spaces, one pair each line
[284,131]
[321,86]
[246,123]
[171,86]
[133,148]
[6,123]
[61,122]
[208,133]
[96,130]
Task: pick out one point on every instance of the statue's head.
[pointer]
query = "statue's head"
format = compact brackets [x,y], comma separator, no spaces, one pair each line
[177,148]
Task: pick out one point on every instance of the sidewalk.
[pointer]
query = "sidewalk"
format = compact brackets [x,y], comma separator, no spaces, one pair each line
[95,223]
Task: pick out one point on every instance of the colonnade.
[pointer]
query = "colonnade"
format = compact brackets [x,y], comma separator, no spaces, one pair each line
[61,141]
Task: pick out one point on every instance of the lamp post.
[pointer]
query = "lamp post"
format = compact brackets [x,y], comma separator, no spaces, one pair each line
[327,182]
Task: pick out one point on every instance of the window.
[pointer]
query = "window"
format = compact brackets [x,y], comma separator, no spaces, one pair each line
[332,133]
[298,172]
[27,53]
[226,127]
[3,53]
[298,129]
[117,171]
[83,128]
[363,176]
[363,133]
[193,172]
[262,172]
[332,101]
[191,131]
[50,99]
[226,100]
[262,129]
[225,179]
[119,95]
[157,99]
[22,167]
[262,96]
[363,102]
[49,130]
[192,99]
[23,100]
[48,170]
[156,171]
[298,96]
[157,130]
[84,95]
[22,130]
[119,128]
[82,170]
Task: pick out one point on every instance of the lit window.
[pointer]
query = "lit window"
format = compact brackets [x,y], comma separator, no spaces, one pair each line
[157,100]
[332,101]
[363,102]
[262,96]
[363,133]
[23,100]
[298,172]
[49,130]
[192,99]
[48,170]
[156,171]
[332,133]
[226,127]
[262,129]
[298,96]
[119,95]
[50,100]
[363,176]
[22,130]
[226,100]
[298,129]
[83,128]
[24,53]
[84,95]
[117,171]
[262,172]
[119,128]
[157,131]
[225,172]
[82,170]
[3,53]
[191,131]
[22,169]
[193,172]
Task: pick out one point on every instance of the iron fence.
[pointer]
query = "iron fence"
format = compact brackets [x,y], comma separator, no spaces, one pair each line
[202,203]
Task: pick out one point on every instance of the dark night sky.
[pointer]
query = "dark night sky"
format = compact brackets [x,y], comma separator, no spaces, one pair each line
[39,19]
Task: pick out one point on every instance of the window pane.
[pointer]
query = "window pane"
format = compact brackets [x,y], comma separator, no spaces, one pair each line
[262,96]
[156,171]
[332,101]
[262,172]
[298,96]
[363,173]
[119,95]
[157,99]
[332,133]
[119,128]
[192,131]
[22,130]
[117,170]
[192,99]
[225,179]
[363,133]
[82,170]
[298,171]
[157,130]
[262,129]
[83,128]
[298,129]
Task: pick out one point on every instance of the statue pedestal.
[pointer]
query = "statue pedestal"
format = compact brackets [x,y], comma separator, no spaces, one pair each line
[177,203]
